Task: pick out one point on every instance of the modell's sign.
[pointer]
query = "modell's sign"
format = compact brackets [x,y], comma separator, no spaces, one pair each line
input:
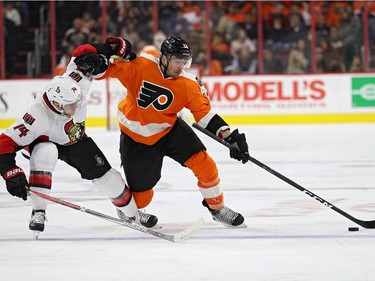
[253,94]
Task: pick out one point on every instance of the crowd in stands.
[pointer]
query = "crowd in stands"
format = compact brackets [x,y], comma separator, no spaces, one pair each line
[13,28]
[296,36]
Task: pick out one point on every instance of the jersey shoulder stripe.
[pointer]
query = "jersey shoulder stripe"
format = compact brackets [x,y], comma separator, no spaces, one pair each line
[189,75]
[149,57]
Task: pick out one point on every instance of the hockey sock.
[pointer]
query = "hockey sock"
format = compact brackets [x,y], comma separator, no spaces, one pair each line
[204,168]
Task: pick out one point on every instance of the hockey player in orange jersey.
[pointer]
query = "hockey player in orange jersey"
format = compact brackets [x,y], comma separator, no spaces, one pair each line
[157,89]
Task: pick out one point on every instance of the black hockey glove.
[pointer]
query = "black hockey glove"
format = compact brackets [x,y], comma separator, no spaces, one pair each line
[16,182]
[90,63]
[240,151]
[122,47]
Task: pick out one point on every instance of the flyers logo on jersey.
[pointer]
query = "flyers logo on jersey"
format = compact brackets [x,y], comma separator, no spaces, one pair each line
[151,94]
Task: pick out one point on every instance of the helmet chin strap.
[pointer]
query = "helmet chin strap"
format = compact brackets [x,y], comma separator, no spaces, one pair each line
[60,109]
[163,67]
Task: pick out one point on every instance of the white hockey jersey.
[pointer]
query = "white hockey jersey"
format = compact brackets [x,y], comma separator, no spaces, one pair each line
[41,121]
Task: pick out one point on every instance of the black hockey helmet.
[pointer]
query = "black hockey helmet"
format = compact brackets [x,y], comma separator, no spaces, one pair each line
[175,46]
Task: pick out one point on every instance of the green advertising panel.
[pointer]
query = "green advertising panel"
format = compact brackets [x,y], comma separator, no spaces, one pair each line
[363,91]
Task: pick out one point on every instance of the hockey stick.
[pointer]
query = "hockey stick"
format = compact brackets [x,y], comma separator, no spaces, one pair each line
[178,237]
[365,224]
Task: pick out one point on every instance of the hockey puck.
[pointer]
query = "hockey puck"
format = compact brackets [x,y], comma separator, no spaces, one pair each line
[353,228]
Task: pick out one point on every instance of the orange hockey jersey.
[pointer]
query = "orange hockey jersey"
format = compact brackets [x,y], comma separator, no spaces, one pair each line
[150,107]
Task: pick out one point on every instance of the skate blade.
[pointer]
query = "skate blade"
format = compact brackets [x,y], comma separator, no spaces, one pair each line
[243,225]
[36,234]
[156,226]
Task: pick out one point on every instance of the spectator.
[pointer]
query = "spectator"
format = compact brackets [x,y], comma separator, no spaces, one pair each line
[297,29]
[351,32]
[335,9]
[267,11]
[11,44]
[112,27]
[372,60]
[12,31]
[335,65]
[274,36]
[130,31]
[178,26]
[13,14]
[225,26]
[250,25]
[154,49]
[241,41]
[146,31]
[336,46]
[167,10]
[371,27]
[277,9]
[216,68]
[76,35]
[300,9]
[64,60]
[234,13]
[242,48]
[245,63]
[321,64]
[297,61]
[321,28]
[331,58]
[217,10]
[356,65]
[147,8]
[192,13]
[220,50]
[271,65]
[87,20]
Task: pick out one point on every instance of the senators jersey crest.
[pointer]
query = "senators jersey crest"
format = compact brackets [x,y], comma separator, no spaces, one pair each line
[75,131]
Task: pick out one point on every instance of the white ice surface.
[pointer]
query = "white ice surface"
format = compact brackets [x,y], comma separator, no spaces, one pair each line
[290,236]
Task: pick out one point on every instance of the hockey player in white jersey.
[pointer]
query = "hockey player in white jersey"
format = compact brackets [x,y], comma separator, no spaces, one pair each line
[53,127]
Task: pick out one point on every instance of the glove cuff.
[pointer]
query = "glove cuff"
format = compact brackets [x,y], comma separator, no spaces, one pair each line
[232,138]
[123,47]
[13,172]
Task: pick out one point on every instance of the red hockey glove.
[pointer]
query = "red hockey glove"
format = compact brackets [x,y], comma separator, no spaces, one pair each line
[123,48]
[16,182]
[240,151]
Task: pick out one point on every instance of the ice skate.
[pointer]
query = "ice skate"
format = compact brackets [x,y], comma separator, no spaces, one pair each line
[147,220]
[36,223]
[226,216]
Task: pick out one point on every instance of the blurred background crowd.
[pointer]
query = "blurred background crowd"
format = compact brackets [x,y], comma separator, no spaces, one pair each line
[226,37]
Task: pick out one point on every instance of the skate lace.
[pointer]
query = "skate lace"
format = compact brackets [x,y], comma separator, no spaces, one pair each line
[124,217]
[143,216]
[38,217]
[226,214]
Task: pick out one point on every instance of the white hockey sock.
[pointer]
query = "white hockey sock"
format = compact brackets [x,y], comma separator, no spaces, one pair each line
[113,185]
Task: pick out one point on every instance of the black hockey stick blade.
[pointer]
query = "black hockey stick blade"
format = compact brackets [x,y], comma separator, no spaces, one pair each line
[364,224]
[178,237]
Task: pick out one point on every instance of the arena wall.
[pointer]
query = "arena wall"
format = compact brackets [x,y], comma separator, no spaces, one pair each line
[268,99]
